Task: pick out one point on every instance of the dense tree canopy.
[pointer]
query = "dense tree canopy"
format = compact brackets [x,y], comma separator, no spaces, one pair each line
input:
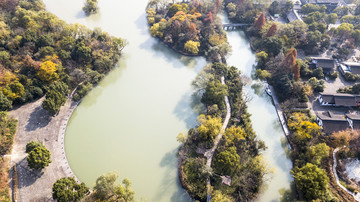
[311,181]
[37,49]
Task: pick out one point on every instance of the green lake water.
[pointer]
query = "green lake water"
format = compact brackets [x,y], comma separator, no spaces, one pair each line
[130,121]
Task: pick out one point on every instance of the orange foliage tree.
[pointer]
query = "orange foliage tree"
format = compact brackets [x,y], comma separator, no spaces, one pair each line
[289,62]
[260,22]
[272,30]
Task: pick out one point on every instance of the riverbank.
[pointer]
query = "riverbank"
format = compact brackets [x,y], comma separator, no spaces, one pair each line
[281,116]
[35,123]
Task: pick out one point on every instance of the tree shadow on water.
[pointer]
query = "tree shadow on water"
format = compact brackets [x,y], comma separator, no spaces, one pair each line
[169,163]
[188,108]
[159,50]
[39,118]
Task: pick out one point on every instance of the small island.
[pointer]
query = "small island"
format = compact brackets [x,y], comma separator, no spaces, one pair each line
[90,7]
[221,158]
[192,29]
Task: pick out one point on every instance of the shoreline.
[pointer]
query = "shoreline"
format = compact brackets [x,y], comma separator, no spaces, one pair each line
[61,138]
[34,123]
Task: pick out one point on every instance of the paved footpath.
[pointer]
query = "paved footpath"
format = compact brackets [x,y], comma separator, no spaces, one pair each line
[210,153]
[37,124]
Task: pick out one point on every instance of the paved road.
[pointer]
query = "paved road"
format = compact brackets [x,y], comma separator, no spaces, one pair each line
[210,153]
[37,124]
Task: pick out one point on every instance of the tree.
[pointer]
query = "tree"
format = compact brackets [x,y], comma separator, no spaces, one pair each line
[201,81]
[176,8]
[260,22]
[275,8]
[90,7]
[303,128]
[290,63]
[283,85]
[55,97]
[124,192]
[227,161]
[217,196]
[209,127]
[311,181]
[5,103]
[343,138]
[262,74]
[272,30]
[316,85]
[47,71]
[215,93]
[82,53]
[7,131]
[289,5]
[344,29]
[105,188]
[273,45]
[192,47]
[234,135]
[105,185]
[14,90]
[261,58]
[341,11]
[331,18]
[316,153]
[30,146]
[66,189]
[39,158]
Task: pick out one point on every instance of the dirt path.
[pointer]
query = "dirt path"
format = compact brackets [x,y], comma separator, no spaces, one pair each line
[37,124]
[210,153]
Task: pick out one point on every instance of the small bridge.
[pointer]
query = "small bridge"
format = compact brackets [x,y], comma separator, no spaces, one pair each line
[234,26]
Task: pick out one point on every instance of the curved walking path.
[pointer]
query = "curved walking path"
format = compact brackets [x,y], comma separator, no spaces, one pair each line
[210,153]
[35,123]
[356,196]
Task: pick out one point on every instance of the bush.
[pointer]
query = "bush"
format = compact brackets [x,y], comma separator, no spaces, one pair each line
[7,132]
[82,90]
[334,75]
[32,145]
[39,158]
[317,85]
[351,77]
[5,103]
